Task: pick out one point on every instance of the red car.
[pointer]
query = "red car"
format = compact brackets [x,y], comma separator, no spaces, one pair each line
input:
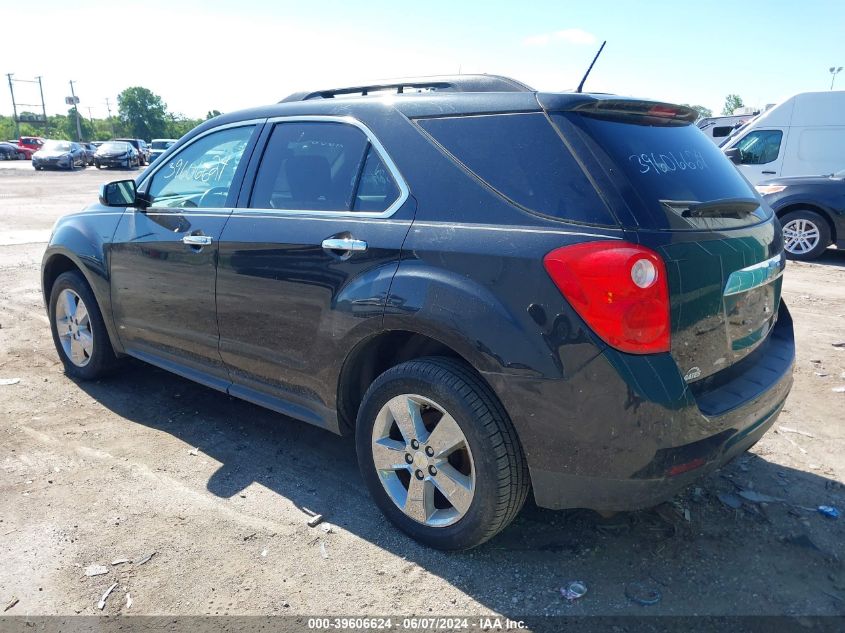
[33,143]
[27,151]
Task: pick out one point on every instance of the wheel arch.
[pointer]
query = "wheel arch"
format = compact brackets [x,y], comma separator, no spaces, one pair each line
[63,256]
[376,354]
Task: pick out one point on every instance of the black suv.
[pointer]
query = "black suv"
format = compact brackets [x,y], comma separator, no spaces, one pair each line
[496,290]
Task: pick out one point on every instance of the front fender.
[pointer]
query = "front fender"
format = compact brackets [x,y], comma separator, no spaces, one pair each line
[83,239]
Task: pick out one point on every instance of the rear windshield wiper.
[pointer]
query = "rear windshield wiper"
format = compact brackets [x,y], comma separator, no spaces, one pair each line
[725,207]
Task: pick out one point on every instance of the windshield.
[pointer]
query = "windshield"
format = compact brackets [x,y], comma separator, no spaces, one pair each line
[162,144]
[56,146]
[114,147]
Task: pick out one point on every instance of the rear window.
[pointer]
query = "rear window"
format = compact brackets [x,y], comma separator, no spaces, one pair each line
[523,159]
[661,168]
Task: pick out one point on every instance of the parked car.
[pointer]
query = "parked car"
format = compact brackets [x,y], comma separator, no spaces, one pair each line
[11,152]
[811,210]
[31,142]
[495,290]
[61,154]
[90,149]
[158,147]
[803,136]
[27,152]
[140,147]
[116,154]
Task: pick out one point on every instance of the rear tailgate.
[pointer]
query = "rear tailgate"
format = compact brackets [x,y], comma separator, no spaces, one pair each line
[678,194]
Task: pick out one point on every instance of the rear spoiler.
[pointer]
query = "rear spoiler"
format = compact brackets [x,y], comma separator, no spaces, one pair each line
[619,108]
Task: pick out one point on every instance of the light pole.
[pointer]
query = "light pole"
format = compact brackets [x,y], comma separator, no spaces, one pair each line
[834,70]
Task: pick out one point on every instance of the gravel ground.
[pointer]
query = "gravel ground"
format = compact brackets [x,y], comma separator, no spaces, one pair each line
[218,490]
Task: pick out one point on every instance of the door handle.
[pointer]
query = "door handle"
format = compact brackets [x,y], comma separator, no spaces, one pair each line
[344,244]
[768,172]
[197,240]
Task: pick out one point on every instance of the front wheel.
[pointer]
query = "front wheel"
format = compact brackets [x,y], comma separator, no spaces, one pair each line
[806,234]
[79,332]
[439,454]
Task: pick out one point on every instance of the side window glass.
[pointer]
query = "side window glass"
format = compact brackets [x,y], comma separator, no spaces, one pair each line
[201,174]
[376,188]
[760,147]
[321,166]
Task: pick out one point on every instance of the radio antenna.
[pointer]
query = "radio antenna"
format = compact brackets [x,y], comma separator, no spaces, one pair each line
[593,63]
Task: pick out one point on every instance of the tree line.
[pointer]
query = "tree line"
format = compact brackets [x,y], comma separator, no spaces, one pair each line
[140,114]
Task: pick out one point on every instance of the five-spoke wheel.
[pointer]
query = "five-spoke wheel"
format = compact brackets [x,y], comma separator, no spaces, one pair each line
[73,325]
[79,331]
[439,454]
[423,460]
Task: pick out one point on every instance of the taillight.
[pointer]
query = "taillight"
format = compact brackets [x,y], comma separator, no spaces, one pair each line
[619,289]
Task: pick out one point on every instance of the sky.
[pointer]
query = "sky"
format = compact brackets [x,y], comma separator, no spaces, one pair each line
[204,55]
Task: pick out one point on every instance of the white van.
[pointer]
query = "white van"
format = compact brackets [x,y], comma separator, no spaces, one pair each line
[718,128]
[803,136]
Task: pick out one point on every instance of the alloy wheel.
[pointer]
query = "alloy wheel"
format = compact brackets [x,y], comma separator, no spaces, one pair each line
[73,325]
[800,236]
[423,460]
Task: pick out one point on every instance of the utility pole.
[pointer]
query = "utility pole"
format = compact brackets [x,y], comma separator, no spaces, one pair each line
[43,107]
[111,121]
[76,110]
[14,107]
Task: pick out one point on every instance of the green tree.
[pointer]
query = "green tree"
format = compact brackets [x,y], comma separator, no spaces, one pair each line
[178,125]
[732,102]
[142,113]
[703,112]
[68,126]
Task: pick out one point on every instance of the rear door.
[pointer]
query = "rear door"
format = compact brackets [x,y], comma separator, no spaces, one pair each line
[306,262]
[675,192]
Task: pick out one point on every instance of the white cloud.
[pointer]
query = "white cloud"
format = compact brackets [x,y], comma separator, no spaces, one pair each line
[572,36]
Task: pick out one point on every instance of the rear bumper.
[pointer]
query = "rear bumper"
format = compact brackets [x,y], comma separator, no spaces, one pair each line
[626,432]
[558,490]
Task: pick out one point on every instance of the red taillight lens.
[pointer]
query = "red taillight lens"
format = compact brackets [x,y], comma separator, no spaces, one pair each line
[619,289]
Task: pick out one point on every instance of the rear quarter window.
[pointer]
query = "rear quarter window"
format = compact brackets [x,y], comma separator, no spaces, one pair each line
[522,158]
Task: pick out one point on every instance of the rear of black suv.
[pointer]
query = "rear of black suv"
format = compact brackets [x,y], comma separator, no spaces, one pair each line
[620,283]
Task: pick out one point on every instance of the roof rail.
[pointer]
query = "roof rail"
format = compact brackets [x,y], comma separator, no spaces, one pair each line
[443,83]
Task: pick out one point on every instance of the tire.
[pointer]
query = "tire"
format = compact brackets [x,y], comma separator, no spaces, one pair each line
[97,165]
[488,458]
[806,234]
[95,361]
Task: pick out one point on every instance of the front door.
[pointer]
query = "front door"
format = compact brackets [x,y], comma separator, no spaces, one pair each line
[306,264]
[164,258]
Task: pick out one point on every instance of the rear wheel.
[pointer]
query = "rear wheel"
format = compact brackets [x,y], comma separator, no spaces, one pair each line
[806,234]
[439,454]
[79,331]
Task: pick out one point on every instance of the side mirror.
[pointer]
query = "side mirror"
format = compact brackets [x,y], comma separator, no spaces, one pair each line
[120,193]
[734,155]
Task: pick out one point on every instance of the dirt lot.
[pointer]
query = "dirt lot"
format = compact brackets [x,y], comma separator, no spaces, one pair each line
[93,473]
